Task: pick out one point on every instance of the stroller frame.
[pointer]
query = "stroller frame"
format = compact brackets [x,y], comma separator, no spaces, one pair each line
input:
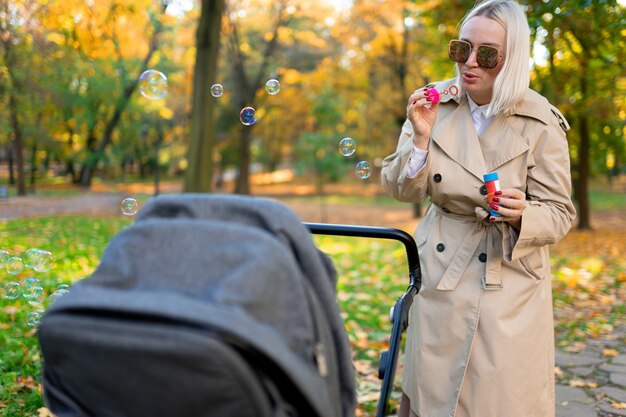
[400,311]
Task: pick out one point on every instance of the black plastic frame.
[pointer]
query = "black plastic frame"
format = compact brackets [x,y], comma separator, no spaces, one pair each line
[399,316]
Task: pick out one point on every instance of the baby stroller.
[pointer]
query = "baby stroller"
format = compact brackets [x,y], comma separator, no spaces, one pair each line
[211,305]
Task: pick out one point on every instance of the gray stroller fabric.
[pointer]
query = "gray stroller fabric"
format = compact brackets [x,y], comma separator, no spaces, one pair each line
[208,305]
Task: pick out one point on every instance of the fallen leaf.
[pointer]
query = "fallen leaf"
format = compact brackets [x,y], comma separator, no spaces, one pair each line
[576,347]
[619,406]
[44,412]
[610,352]
[27,383]
[581,383]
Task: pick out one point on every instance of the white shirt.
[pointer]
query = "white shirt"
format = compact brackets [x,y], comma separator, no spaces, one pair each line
[481,123]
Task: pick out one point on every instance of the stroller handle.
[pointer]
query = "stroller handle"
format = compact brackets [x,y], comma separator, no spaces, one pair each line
[415,276]
[400,312]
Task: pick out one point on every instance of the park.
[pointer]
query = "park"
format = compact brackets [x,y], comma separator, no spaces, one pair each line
[83,129]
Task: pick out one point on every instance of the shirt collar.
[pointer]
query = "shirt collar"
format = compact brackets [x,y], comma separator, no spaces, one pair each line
[473,106]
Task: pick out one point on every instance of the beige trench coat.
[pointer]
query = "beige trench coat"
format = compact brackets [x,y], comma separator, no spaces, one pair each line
[473,351]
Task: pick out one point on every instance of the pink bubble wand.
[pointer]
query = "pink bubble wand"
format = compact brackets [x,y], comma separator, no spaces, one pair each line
[435,95]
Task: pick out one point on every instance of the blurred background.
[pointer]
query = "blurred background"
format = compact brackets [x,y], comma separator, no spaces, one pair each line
[105,103]
[72,116]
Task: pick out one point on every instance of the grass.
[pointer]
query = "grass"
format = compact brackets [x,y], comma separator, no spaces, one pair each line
[77,244]
[605,200]
[588,270]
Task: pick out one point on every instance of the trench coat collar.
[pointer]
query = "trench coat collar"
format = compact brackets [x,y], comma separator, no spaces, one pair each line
[456,135]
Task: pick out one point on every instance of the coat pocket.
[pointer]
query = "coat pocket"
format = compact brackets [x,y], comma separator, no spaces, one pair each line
[535,264]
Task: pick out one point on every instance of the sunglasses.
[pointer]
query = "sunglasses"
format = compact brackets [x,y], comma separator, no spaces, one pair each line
[486,55]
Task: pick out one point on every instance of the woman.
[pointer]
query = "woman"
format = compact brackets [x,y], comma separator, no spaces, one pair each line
[480,338]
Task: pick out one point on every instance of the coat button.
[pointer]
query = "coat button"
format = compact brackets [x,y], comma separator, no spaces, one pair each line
[446,210]
[437,178]
[482,257]
[483,190]
[441,247]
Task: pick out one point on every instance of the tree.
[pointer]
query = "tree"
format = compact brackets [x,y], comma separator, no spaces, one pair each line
[129,88]
[584,43]
[198,177]
[248,82]
[18,27]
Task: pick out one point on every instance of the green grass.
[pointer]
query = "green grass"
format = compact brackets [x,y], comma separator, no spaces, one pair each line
[600,200]
[372,274]
[77,244]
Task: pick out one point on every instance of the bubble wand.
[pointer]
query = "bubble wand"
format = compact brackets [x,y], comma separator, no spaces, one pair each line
[435,95]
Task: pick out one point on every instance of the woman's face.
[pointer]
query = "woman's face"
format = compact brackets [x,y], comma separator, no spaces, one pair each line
[478,81]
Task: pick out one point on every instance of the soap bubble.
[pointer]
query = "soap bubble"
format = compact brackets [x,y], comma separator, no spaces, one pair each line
[12,290]
[363,170]
[347,146]
[272,86]
[29,257]
[34,295]
[32,290]
[153,84]
[33,318]
[217,90]
[248,116]
[14,265]
[4,256]
[44,261]
[31,282]
[38,259]
[129,206]
[60,292]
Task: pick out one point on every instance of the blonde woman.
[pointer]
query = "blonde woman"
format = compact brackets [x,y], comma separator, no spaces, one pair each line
[480,341]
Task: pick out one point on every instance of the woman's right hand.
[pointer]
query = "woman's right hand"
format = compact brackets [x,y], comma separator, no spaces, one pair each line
[422,113]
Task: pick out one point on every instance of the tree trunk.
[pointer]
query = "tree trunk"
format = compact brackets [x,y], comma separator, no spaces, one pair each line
[17,143]
[199,174]
[155,165]
[582,184]
[33,167]
[14,90]
[11,159]
[107,136]
[242,185]
[247,88]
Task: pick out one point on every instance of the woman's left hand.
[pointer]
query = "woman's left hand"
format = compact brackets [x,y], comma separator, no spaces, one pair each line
[510,203]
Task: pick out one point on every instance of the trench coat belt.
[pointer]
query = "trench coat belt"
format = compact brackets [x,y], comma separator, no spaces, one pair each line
[492,279]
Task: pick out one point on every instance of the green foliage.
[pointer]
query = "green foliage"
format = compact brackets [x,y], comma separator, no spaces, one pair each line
[583,74]
[77,244]
[317,155]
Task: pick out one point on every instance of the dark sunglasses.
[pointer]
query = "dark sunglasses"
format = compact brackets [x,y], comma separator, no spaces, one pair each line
[486,55]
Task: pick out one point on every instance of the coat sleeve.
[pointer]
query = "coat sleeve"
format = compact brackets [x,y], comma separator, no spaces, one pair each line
[393,174]
[550,212]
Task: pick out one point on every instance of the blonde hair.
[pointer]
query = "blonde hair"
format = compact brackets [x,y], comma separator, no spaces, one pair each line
[513,80]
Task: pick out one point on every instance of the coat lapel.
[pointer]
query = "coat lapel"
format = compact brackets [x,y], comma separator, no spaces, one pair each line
[456,136]
[500,143]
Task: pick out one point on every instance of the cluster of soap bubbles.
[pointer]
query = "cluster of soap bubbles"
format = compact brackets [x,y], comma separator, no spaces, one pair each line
[129,206]
[30,288]
[347,147]
[247,115]
[153,85]
[36,259]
